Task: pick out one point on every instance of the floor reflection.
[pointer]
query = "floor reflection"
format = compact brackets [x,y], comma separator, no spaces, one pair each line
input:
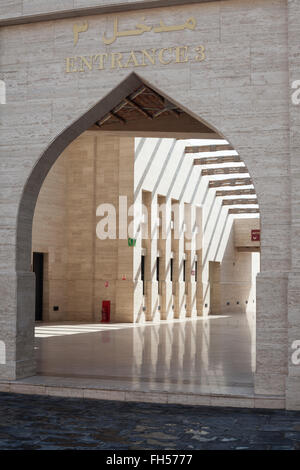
[207,355]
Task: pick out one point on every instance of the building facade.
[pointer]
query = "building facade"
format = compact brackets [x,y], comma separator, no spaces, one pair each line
[229,70]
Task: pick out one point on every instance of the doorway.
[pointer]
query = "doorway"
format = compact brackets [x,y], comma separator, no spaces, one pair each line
[38,269]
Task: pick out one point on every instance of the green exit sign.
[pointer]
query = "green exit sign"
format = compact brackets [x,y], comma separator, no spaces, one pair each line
[131,241]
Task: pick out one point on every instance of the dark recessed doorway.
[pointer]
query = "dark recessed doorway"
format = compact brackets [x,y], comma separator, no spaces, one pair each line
[38,268]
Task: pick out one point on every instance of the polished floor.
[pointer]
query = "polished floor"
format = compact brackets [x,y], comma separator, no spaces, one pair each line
[212,355]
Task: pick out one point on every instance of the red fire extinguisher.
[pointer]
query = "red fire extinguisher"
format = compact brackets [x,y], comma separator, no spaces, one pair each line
[105,311]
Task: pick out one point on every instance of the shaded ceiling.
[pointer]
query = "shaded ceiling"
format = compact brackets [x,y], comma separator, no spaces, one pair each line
[147,111]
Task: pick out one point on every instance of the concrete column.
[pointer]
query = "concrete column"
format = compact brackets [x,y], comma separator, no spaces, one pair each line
[293,379]
[293,297]
[178,251]
[215,287]
[164,244]
[199,284]
[151,284]
[189,248]
[17,293]
[210,226]
[271,333]
[139,315]
[293,323]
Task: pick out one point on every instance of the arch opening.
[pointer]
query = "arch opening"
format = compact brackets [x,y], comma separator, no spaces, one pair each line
[184,176]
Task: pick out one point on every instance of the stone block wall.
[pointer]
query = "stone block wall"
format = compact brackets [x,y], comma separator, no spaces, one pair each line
[242,89]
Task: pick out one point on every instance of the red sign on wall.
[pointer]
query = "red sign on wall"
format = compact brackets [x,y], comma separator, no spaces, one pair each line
[255,235]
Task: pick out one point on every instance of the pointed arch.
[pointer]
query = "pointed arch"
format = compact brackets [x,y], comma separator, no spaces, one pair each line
[58,145]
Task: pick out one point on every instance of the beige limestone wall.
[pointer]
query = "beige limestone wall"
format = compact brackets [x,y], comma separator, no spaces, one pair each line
[49,236]
[129,303]
[105,251]
[242,232]
[233,280]
[236,280]
[79,264]
[223,234]
[80,161]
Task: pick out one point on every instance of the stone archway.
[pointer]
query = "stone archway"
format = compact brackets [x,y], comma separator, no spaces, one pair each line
[23,365]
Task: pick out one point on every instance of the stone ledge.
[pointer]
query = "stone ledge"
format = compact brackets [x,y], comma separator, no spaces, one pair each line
[222,400]
[113,7]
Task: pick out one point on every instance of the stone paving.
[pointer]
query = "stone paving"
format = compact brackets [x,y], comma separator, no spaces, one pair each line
[37,422]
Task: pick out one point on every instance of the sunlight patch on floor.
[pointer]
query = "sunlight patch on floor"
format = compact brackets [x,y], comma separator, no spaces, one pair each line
[62,329]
